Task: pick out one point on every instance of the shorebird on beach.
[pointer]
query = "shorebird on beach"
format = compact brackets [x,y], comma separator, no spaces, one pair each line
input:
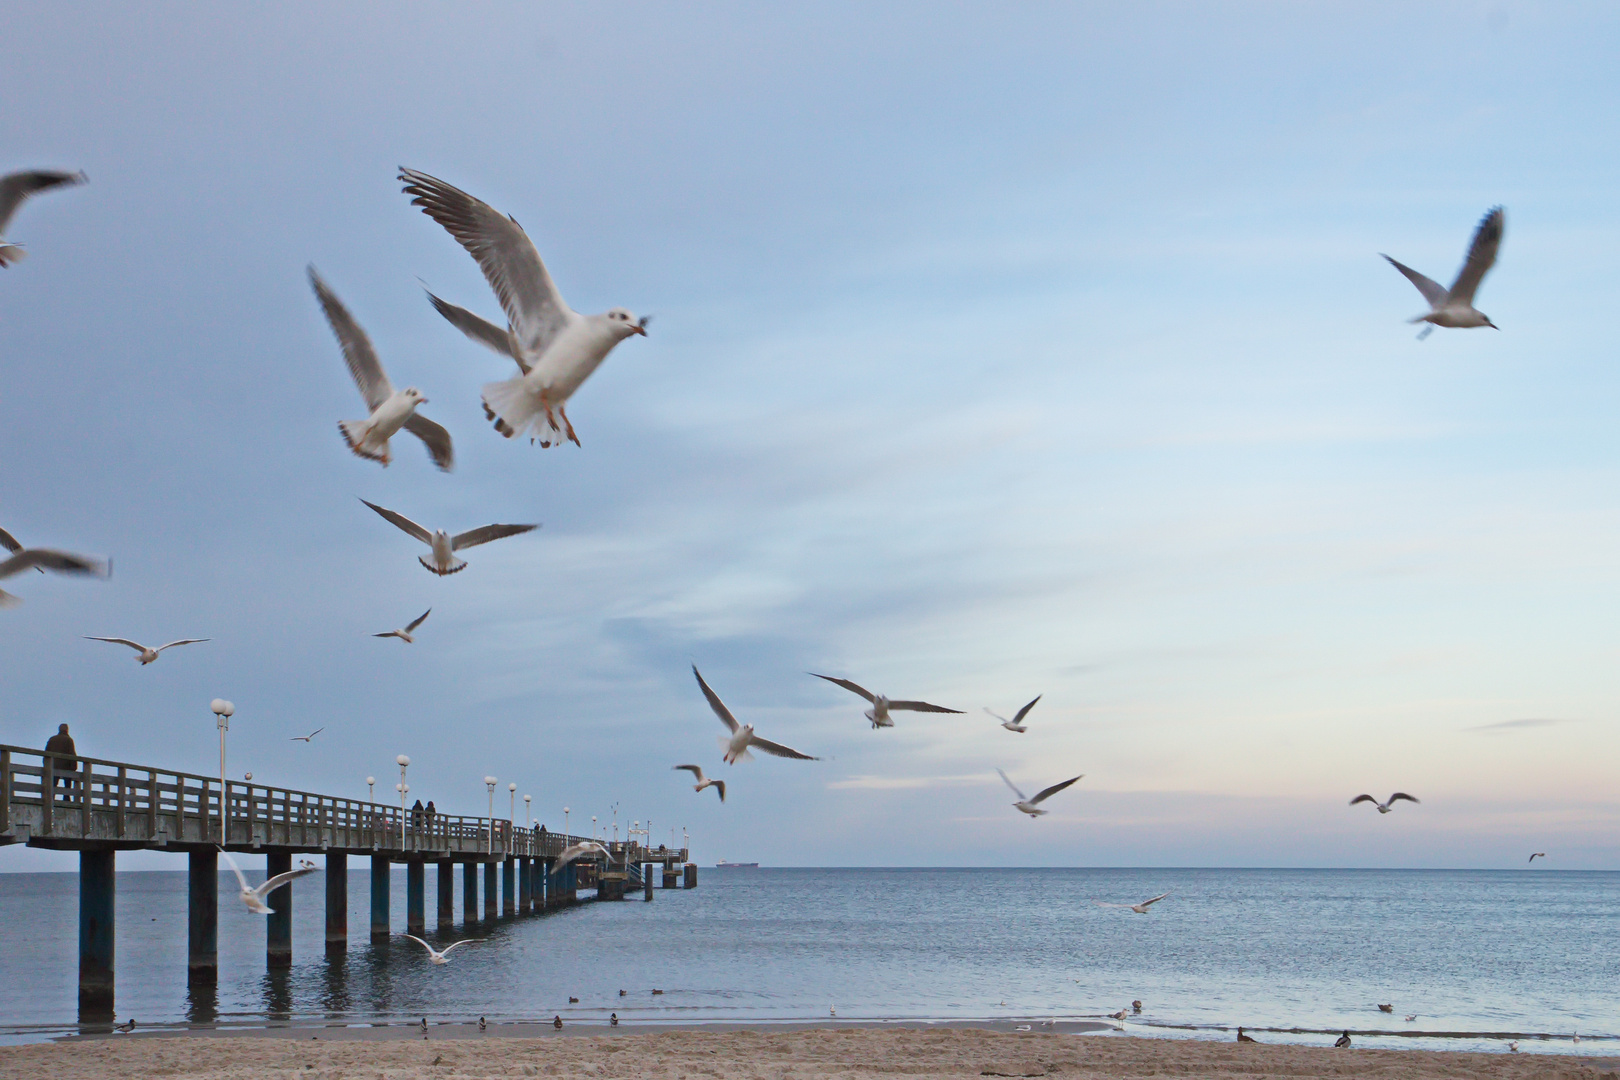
[126,1028]
[1387,805]
[1342,1041]
[1136,1006]
[703,781]
[1032,807]
[437,956]
[878,714]
[1537,855]
[1244,1038]
[15,189]
[1117,1016]
[742,735]
[1454,307]
[145,653]
[254,897]
[1140,909]
[443,544]
[1017,722]
[406,635]
[60,562]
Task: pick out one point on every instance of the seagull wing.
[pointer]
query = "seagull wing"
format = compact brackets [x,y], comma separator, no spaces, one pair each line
[778,750]
[235,869]
[364,366]
[484,534]
[137,646]
[182,641]
[19,185]
[856,687]
[716,704]
[453,944]
[1481,256]
[1053,790]
[60,561]
[1155,900]
[435,438]
[998,716]
[1402,795]
[919,706]
[1100,903]
[1363,798]
[720,786]
[314,733]
[503,252]
[403,522]
[1019,719]
[695,770]
[485,333]
[9,542]
[418,621]
[1009,783]
[1432,290]
[422,943]
[279,880]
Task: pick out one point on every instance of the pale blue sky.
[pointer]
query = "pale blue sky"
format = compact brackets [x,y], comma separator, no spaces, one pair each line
[996,352]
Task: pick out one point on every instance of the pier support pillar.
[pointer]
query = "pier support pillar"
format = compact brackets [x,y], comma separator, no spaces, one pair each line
[278,925]
[491,893]
[446,880]
[379,896]
[508,887]
[416,897]
[646,882]
[672,880]
[469,893]
[337,904]
[97,895]
[691,876]
[202,918]
[524,882]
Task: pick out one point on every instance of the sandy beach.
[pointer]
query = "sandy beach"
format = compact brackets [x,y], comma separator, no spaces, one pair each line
[766,1055]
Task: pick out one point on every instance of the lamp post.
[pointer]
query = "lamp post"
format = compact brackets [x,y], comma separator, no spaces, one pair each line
[593,826]
[371,789]
[565,821]
[404,763]
[490,782]
[527,823]
[511,790]
[223,710]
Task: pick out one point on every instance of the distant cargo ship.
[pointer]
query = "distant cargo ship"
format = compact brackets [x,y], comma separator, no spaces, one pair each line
[737,865]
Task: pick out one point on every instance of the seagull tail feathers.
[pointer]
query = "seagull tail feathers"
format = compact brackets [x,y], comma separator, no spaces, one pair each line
[514,409]
[460,565]
[355,433]
[11,253]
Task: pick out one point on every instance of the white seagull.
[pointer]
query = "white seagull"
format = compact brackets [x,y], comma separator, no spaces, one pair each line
[443,544]
[390,409]
[705,782]
[1032,807]
[742,735]
[1387,805]
[882,706]
[435,956]
[61,562]
[555,347]
[1140,909]
[584,847]
[147,653]
[410,627]
[15,189]
[1455,306]
[1017,722]
[254,898]
[306,738]
[10,543]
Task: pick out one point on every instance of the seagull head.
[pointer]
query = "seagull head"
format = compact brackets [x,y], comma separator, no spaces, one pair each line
[626,322]
[413,394]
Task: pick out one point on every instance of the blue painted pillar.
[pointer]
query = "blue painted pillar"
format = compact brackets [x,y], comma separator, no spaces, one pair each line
[278,926]
[469,893]
[445,878]
[379,896]
[525,883]
[491,893]
[508,886]
[97,896]
[337,904]
[202,918]
[416,897]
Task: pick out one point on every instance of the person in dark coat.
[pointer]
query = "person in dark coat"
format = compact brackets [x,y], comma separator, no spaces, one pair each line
[430,813]
[61,745]
[416,816]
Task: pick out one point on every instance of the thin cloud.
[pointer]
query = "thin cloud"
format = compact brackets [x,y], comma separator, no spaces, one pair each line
[1516,725]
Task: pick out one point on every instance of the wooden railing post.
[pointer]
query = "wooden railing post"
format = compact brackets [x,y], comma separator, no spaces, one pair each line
[122,778]
[47,793]
[5,791]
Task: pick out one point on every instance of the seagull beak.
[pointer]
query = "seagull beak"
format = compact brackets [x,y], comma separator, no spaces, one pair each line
[641,327]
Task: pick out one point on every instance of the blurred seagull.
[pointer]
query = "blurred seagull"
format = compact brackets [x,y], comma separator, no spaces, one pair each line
[1537,855]
[390,409]
[882,706]
[10,543]
[1140,909]
[704,782]
[1017,722]
[1455,306]
[254,898]
[1032,807]
[14,191]
[436,956]
[147,653]
[306,738]
[410,627]
[742,735]
[555,347]
[1386,806]
[584,847]
[443,544]
[61,562]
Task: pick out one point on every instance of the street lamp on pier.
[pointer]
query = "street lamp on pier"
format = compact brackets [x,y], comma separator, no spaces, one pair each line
[223,710]
[404,763]
[490,782]
[371,789]
[527,822]
[565,821]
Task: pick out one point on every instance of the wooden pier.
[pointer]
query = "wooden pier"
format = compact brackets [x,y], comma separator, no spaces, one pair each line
[99,808]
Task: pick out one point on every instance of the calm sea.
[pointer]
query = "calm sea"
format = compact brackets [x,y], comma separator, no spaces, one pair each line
[1473,954]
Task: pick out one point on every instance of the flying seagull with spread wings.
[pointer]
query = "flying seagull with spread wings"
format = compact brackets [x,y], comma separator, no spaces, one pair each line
[15,189]
[1032,807]
[1388,804]
[146,654]
[254,897]
[61,562]
[1140,909]
[405,635]
[882,706]
[10,543]
[306,738]
[1455,306]
[443,544]
[584,848]
[391,409]
[555,347]
[1536,855]
[1017,722]
[703,781]
[436,956]
[742,735]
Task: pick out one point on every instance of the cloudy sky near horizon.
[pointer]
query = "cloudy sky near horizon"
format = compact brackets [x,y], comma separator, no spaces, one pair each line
[994,353]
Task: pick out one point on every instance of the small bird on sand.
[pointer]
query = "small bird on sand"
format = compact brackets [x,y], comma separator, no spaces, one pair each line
[15,188]
[145,654]
[1244,1038]
[1342,1041]
[405,635]
[306,738]
[1117,1016]
[254,897]
[704,782]
[1387,805]
[878,714]
[1514,1046]
[391,409]
[1017,722]
[482,1023]
[742,735]
[613,1019]
[424,1025]
[60,562]
[1537,855]
[438,956]
[1386,1008]
[555,347]
[1454,307]
[126,1027]
[584,847]
[1032,807]
[1140,909]
[443,544]
[556,1022]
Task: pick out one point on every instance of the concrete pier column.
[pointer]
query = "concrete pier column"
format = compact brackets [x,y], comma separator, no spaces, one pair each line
[524,882]
[202,918]
[469,893]
[691,876]
[97,896]
[491,893]
[445,877]
[672,880]
[379,896]
[646,882]
[278,926]
[509,887]
[416,897]
[337,904]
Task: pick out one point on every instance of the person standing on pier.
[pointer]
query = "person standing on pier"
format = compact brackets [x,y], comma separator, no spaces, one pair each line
[416,816]
[61,747]
[430,813]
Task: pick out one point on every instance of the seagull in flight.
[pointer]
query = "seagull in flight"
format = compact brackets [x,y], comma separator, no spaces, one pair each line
[147,653]
[1537,855]
[410,628]
[1017,722]
[882,706]
[742,735]
[61,562]
[1387,805]
[1032,807]
[10,543]
[443,544]
[15,189]
[1140,909]
[705,782]
[436,956]
[584,847]
[306,738]
[391,409]
[1455,306]
[555,347]
[254,898]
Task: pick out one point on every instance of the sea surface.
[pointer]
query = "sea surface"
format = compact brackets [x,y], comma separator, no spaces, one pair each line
[1294,955]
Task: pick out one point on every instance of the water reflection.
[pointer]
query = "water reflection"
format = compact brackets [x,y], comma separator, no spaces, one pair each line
[202,1004]
[277,993]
